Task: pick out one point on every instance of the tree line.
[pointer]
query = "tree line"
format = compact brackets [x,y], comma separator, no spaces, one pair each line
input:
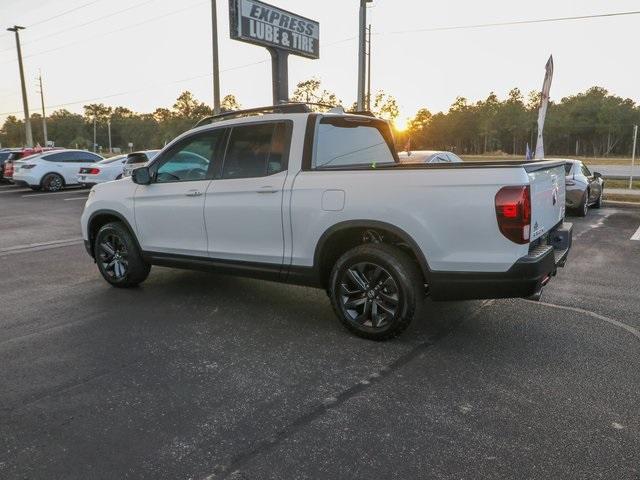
[591,123]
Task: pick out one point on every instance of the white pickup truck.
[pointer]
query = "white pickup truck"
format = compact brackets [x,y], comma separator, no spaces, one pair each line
[320,199]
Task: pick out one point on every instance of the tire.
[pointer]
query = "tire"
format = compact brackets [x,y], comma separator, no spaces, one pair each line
[118,257]
[52,182]
[583,209]
[118,177]
[381,311]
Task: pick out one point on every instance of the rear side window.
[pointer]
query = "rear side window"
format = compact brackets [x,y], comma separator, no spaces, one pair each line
[257,150]
[567,168]
[343,142]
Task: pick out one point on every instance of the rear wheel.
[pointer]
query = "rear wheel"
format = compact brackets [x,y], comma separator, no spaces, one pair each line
[374,290]
[118,257]
[52,182]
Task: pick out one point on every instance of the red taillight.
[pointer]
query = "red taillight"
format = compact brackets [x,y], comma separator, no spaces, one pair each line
[513,211]
[93,171]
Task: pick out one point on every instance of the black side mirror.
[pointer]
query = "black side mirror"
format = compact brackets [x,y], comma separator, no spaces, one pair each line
[597,175]
[141,176]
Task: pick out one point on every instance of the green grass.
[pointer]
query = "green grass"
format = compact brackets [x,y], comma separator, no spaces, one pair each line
[617,197]
[610,183]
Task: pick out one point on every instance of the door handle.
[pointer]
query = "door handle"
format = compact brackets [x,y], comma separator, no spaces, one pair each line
[268,189]
[193,193]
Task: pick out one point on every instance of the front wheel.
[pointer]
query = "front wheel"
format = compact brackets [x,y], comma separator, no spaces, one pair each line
[583,208]
[598,203]
[374,290]
[118,257]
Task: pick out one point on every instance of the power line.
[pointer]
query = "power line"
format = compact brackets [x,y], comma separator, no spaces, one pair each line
[142,89]
[85,40]
[85,23]
[61,14]
[513,22]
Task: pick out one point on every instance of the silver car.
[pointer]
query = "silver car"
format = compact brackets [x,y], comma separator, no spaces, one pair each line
[428,156]
[584,189]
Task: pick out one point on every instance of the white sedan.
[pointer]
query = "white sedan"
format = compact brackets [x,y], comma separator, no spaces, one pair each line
[103,171]
[429,156]
[52,170]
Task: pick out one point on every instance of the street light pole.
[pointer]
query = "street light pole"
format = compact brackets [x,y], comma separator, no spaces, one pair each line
[44,115]
[362,52]
[95,146]
[216,68]
[369,72]
[27,119]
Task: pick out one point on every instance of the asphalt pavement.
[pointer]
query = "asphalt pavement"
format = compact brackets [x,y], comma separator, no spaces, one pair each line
[198,376]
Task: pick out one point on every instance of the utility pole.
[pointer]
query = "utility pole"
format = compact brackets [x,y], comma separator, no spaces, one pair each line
[27,119]
[109,130]
[44,115]
[369,72]
[216,68]
[95,146]
[362,52]
[633,154]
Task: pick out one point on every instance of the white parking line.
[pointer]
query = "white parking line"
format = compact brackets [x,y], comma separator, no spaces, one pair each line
[54,193]
[31,247]
[15,190]
[77,198]
[636,236]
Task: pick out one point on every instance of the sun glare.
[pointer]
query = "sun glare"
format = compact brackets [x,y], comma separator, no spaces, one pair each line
[400,124]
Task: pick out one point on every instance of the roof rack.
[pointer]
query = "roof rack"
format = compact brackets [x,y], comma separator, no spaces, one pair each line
[285,107]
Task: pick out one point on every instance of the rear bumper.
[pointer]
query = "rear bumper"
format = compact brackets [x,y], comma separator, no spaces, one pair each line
[525,278]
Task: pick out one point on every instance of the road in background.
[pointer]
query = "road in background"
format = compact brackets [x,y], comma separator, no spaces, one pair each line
[195,375]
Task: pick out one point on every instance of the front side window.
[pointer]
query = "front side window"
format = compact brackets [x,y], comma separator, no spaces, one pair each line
[191,159]
[585,171]
[344,142]
[256,150]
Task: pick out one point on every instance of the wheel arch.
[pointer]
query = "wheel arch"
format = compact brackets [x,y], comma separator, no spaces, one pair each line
[44,175]
[99,218]
[332,237]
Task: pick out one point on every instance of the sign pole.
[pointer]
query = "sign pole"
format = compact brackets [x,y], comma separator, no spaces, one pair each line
[633,154]
[280,74]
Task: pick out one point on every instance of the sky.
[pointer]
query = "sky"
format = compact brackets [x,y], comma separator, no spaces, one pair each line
[142,54]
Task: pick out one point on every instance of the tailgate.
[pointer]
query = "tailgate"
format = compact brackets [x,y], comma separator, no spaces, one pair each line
[547,196]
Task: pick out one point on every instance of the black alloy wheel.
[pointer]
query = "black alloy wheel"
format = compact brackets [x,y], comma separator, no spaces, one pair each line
[375,289]
[118,256]
[113,256]
[52,183]
[368,295]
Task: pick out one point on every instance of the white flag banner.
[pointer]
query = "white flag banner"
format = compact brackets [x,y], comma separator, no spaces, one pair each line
[544,104]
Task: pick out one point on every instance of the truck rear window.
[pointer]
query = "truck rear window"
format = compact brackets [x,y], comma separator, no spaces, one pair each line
[345,142]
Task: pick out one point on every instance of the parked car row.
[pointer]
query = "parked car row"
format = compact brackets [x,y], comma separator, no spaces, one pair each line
[53,169]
